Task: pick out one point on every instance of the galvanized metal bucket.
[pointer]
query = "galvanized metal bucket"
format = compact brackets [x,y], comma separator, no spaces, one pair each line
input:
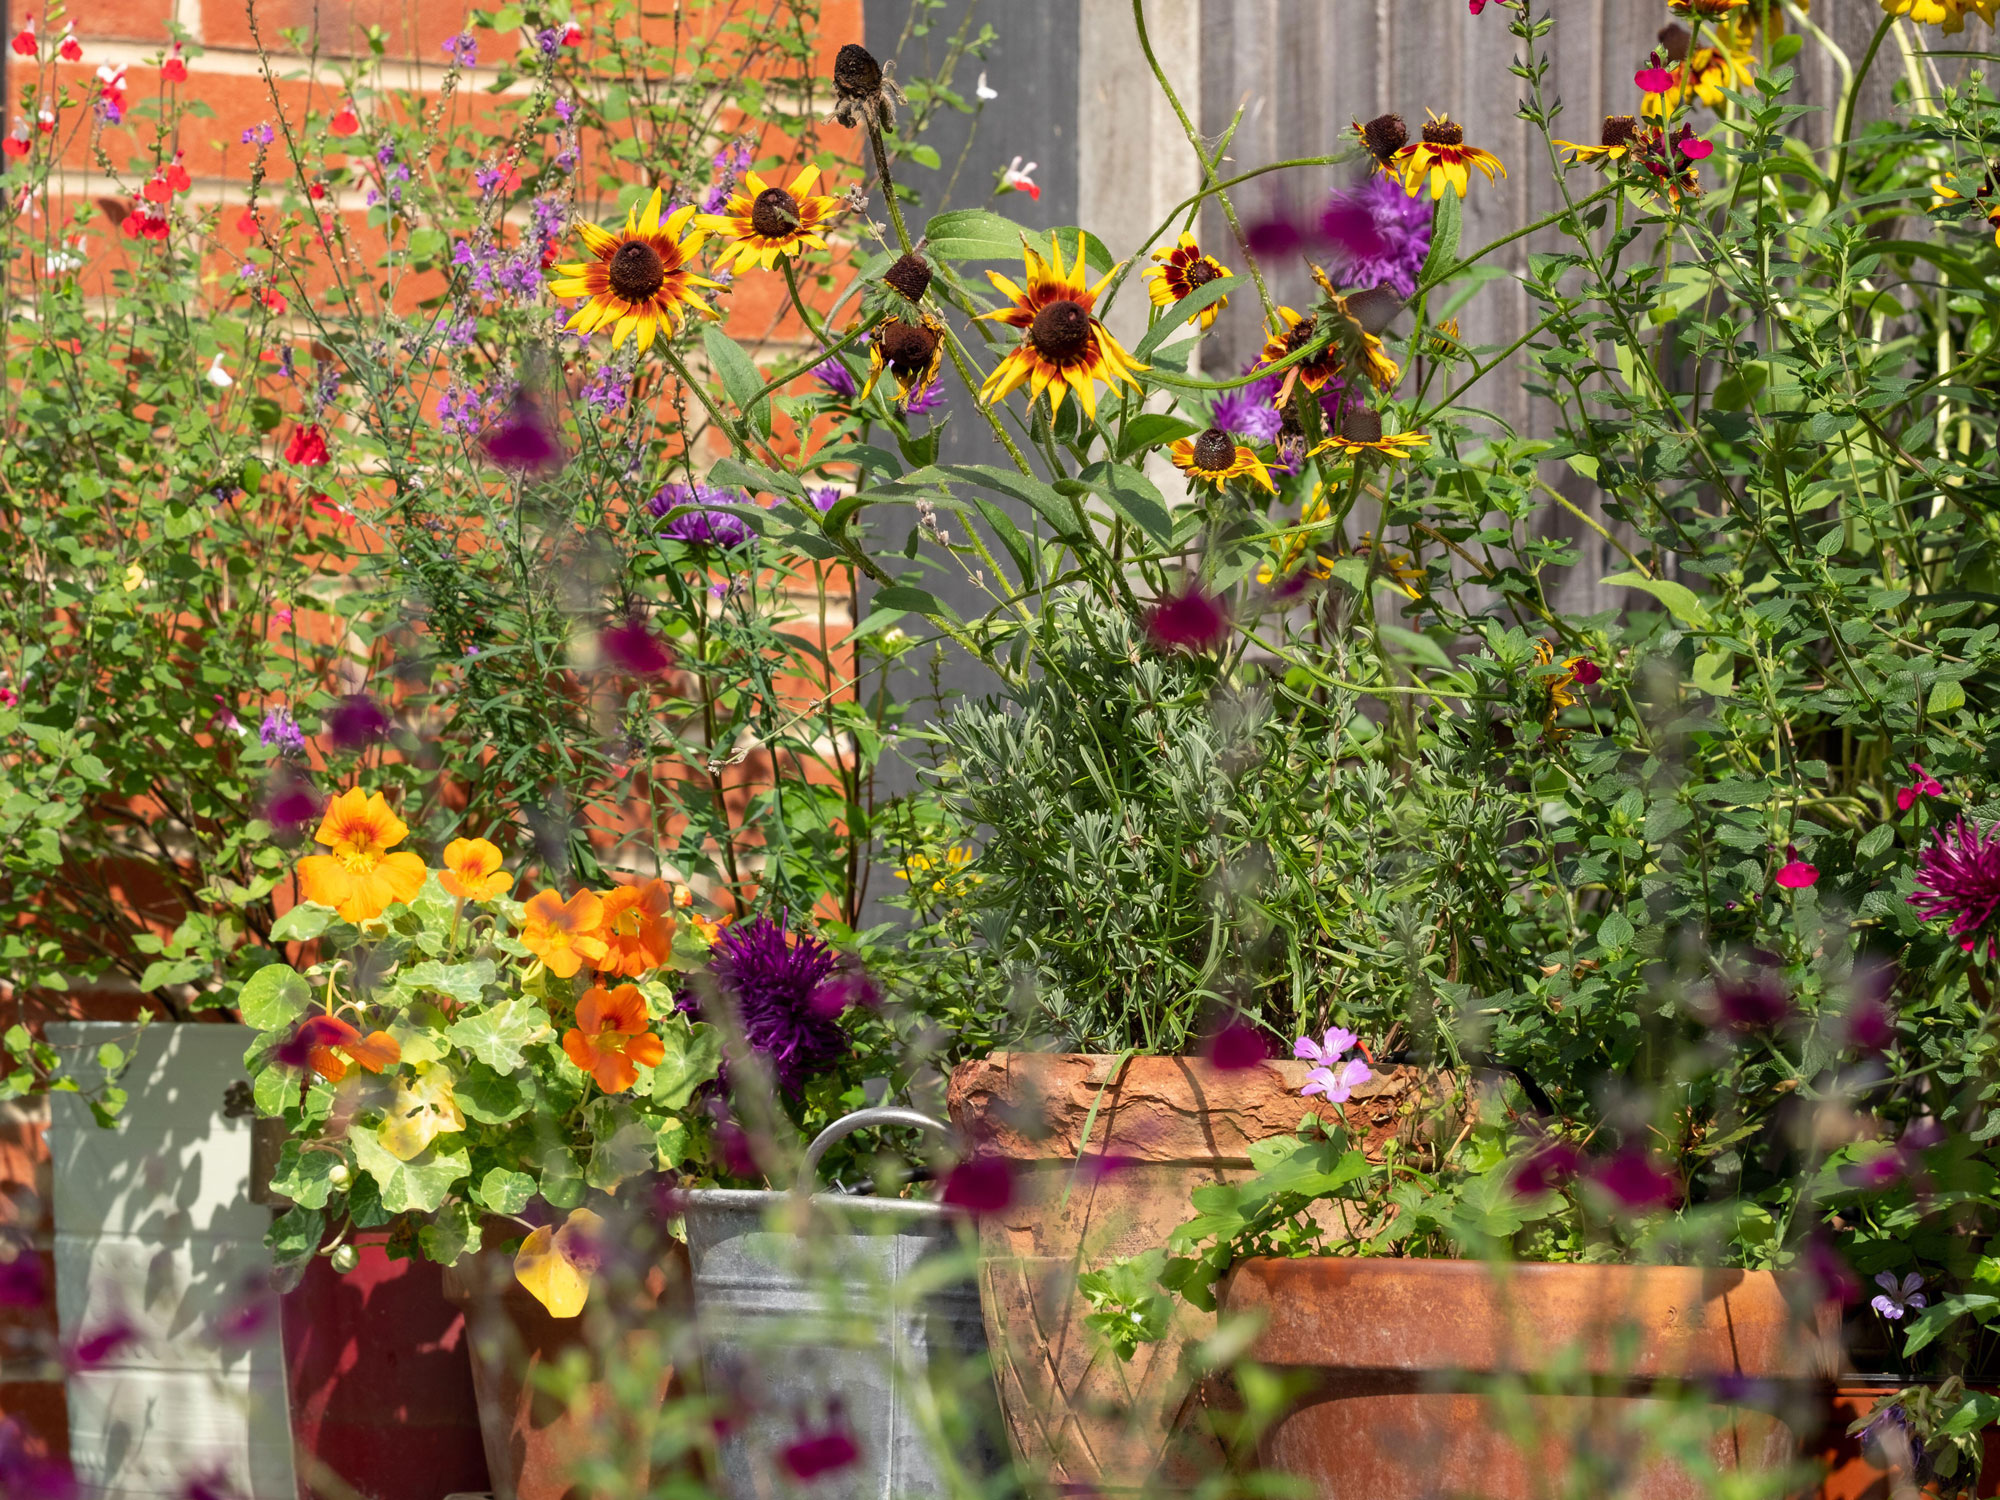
[821,1314]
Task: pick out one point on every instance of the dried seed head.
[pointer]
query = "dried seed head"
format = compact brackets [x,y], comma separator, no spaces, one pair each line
[911,276]
[864,91]
[636,271]
[1060,332]
[1444,133]
[856,74]
[1300,335]
[1385,135]
[1619,130]
[1214,451]
[1360,425]
[907,347]
[775,214]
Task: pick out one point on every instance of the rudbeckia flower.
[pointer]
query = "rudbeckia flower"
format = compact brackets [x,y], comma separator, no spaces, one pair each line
[1618,138]
[424,1109]
[562,934]
[1950,14]
[360,879]
[472,870]
[1183,271]
[1384,136]
[1353,353]
[1442,156]
[1063,345]
[1213,458]
[1361,433]
[335,1044]
[611,1040]
[641,280]
[555,1265]
[910,351]
[637,929]
[763,222]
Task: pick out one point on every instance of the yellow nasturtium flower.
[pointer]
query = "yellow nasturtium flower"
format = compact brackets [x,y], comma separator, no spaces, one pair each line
[361,879]
[472,870]
[555,1265]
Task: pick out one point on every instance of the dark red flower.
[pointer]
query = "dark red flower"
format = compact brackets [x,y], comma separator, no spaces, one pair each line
[811,1455]
[980,1185]
[355,721]
[307,446]
[844,989]
[23,1282]
[1547,1168]
[633,648]
[1236,1047]
[290,802]
[1637,1181]
[1757,1003]
[1188,621]
[523,440]
[1828,1269]
[88,1353]
[1586,672]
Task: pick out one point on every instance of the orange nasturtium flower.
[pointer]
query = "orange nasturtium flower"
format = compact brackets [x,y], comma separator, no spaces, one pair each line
[361,879]
[555,1264]
[472,870]
[610,1040]
[336,1044]
[562,934]
[638,929]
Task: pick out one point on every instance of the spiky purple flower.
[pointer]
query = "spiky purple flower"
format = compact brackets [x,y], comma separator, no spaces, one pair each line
[710,528]
[929,399]
[1958,877]
[1377,235]
[836,377]
[773,976]
[1247,412]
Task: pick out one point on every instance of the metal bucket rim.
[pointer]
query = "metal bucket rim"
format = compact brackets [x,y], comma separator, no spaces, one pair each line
[912,1208]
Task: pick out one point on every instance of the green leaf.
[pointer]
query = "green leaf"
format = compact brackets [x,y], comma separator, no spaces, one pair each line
[305,1177]
[1050,506]
[974,234]
[274,998]
[1153,430]
[1415,645]
[1875,840]
[1944,698]
[622,1145]
[418,1186]
[274,1090]
[303,923]
[294,1235]
[454,1231]
[562,1180]
[1715,673]
[500,1035]
[465,983]
[505,1192]
[740,377]
[1682,602]
[1941,1314]
[1183,312]
[493,1098]
[910,601]
[693,1057]
[1129,492]
[1447,222]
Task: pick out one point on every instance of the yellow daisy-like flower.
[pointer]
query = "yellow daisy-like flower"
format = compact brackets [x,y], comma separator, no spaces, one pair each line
[1705,73]
[1063,345]
[1183,271]
[1214,458]
[763,222]
[1361,353]
[1950,14]
[1618,139]
[1397,565]
[1442,156]
[1945,194]
[910,351]
[946,878]
[1297,331]
[1361,433]
[642,280]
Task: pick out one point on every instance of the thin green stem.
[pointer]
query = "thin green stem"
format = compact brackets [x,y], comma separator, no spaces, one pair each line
[1846,135]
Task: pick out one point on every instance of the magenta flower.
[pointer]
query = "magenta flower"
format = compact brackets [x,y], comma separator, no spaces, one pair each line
[836,377]
[813,1455]
[1377,235]
[1188,621]
[356,720]
[524,440]
[1758,1003]
[1333,1079]
[1654,80]
[1547,1169]
[1637,1181]
[1236,1047]
[1923,786]
[1958,877]
[980,1185]
[1897,1298]
[1328,1052]
[1587,672]
[773,976]
[1796,874]
[632,647]
[1834,1277]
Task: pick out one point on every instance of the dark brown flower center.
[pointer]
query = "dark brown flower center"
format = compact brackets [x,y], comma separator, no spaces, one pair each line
[1444,133]
[1619,130]
[1300,336]
[1360,425]
[1674,40]
[1214,451]
[856,74]
[1203,271]
[636,271]
[775,214]
[907,347]
[1060,332]
[911,276]
[1385,135]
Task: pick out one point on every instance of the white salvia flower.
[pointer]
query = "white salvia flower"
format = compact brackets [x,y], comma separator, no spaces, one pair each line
[218,377]
[984,92]
[1021,178]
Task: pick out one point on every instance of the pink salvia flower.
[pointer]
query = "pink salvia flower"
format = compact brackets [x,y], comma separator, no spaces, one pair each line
[1958,877]
[1796,874]
[1654,80]
[1923,786]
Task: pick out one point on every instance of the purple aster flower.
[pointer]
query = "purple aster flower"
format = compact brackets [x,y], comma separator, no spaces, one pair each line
[1958,877]
[930,398]
[1247,412]
[606,390]
[1378,236]
[386,152]
[824,498]
[462,49]
[711,528]
[773,975]
[834,375]
[280,731]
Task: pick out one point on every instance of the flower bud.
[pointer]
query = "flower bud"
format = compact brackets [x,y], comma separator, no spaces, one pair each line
[345,1259]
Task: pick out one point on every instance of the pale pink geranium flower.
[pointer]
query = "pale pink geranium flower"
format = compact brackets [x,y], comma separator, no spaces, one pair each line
[1332,1078]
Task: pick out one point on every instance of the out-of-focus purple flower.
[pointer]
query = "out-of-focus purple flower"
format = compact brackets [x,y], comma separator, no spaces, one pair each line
[355,721]
[1875,1173]
[980,1185]
[772,975]
[1096,1166]
[813,1455]
[929,399]
[290,802]
[1376,235]
[1832,1277]
[1755,1003]
[1871,1024]
[824,498]
[280,731]
[259,134]
[1191,620]
[1891,1441]
[1237,1047]
[1247,412]
[1274,236]
[1897,1298]
[549,42]
[463,49]
[844,989]
[25,1474]
[212,1484]
[1547,1168]
[1637,1181]
[23,1283]
[91,1350]
[565,109]
[1958,877]
[632,647]
[250,1308]
[523,440]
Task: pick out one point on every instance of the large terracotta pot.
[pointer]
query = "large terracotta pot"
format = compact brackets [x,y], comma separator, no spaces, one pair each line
[1395,1354]
[535,1442]
[1163,1127]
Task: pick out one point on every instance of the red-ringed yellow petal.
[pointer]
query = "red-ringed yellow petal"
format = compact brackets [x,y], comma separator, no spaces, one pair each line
[651,220]
[647,326]
[599,241]
[623,331]
[678,219]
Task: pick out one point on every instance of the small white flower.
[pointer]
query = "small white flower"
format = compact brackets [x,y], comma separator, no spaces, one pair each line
[218,377]
[984,92]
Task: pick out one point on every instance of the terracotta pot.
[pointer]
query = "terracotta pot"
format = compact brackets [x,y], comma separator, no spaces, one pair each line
[1164,1126]
[1850,1473]
[535,1442]
[1395,1351]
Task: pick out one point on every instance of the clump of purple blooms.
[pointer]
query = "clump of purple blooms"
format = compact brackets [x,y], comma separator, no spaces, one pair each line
[1330,1075]
[259,134]
[1247,412]
[711,528]
[729,163]
[1377,235]
[607,390]
[824,498]
[462,49]
[836,377]
[281,732]
[463,409]
[1958,877]
[773,977]
[929,399]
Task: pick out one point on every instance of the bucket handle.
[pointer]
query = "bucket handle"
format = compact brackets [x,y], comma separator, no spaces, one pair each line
[861,1119]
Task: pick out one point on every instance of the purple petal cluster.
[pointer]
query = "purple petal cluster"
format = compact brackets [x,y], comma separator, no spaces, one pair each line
[929,399]
[711,528]
[1377,235]
[1247,412]
[835,376]
[607,390]
[773,976]
[280,731]
[1958,877]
